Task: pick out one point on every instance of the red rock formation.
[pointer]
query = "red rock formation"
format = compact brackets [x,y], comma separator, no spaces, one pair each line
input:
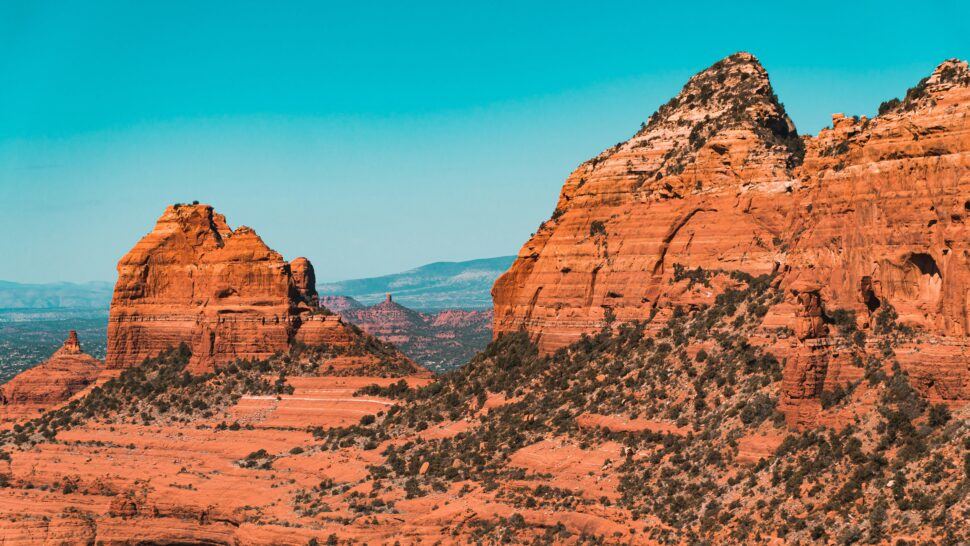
[699,185]
[68,372]
[461,318]
[339,304]
[304,280]
[223,292]
[868,215]
[389,321]
[440,341]
[885,203]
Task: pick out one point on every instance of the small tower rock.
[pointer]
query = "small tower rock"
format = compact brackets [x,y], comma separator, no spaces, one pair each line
[304,279]
[71,344]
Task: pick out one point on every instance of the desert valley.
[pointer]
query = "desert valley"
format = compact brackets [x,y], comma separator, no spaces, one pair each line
[726,333]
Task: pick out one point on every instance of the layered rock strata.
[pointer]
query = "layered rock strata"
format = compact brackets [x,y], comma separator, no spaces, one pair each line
[870,214]
[223,292]
[49,384]
[698,186]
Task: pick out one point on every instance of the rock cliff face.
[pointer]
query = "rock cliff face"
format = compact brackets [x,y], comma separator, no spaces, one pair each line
[223,292]
[698,185]
[881,231]
[869,215]
[49,384]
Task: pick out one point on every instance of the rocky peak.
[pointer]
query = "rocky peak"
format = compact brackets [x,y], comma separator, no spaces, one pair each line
[724,129]
[304,279]
[390,305]
[388,314]
[51,383]
[71,344]
[873,223]
[949,75]
[733,93]
[223,292]
[200,224]
[339,304]
[733,83]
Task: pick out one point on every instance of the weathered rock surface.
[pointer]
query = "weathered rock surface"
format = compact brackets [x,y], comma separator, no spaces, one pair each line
[869,214]
[698,185]
[883,204]
[304,279]
[223,292]
[68,372]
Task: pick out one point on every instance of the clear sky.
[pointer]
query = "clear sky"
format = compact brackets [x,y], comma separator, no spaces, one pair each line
[373,137]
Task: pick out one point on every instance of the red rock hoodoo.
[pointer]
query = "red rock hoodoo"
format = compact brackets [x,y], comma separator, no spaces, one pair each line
[304,280]
[869,213]
[223,292]
[68,372]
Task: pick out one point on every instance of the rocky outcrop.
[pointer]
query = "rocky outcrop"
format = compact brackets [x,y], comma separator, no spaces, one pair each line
[888,202]
[389,320]
[304,280]
[702,184]
[884,204]
[869,215]
[439,341]
[49,384]
[339,304]
[223,292]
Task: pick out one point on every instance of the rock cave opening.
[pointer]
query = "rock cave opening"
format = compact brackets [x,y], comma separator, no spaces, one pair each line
[922,278]
[869,296]
[925,263]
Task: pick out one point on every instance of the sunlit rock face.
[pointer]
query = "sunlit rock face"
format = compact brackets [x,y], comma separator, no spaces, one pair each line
[67,372]
[869,214]
[223,292]
[705,182]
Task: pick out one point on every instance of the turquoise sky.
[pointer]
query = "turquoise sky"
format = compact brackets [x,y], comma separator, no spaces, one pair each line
[376,137]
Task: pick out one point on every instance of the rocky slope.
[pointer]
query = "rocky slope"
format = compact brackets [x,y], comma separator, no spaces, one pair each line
[698,185]
[867,216]
[223,292]
[439,341]
[636,435]
[49,384]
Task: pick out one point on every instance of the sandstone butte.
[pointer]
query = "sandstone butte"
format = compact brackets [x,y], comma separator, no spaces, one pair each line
[223,292]
[868,213]
[68,372]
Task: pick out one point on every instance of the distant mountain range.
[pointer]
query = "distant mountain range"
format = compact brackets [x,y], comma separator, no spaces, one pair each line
[440,285]
[40,300]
